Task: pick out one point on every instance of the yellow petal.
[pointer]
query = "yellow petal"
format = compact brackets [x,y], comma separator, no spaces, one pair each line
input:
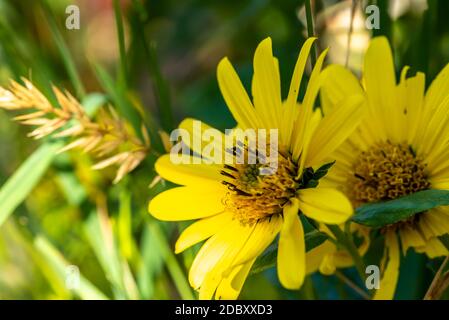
[217,254]
[435,222]
[201,230]
[325,205]
[235,96]
[188,174]
[335,128]
[303,129]
[291,106]
[200,137]
[438,90]
[316,256]
[291,259]
[230,287]
[414,87]
[433,248]
[379,74]
[187,203]
[410,237]
[266,85]
[265,231]
[338,84]
[391,273]
[298,72]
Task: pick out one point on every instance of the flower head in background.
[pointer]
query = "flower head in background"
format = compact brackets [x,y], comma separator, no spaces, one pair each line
[240,212]
[400,148]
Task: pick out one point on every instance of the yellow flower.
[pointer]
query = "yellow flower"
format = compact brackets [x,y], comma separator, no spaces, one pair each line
[240,211]
[398,149]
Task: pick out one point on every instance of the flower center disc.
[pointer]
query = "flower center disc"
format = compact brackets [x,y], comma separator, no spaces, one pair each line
[386,171]
[253,196]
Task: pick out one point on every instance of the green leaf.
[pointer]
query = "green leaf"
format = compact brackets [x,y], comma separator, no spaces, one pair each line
[310,177]
[380,214]
[23,181]
[268,259]
[99,233]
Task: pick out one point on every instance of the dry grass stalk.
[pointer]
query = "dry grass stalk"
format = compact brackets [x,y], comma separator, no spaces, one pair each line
[108,137]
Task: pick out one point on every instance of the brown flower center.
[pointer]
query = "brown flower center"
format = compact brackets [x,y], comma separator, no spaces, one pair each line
[385,172]
[253,196]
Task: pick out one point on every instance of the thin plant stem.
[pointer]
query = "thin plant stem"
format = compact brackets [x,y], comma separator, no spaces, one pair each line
[64,52]
[352,285]
[121,41]
[173,266]
[310,29]
[351,29]
[161,87]
[440,282]
[350,247]
[435,286]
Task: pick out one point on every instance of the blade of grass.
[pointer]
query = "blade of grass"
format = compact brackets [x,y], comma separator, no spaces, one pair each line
[25,178]
[99,234]
[161,87]
[64,51]
[174,269]
[123,78]
[119,98]
[151,264]
[124,227]
[86,290]
[126,108]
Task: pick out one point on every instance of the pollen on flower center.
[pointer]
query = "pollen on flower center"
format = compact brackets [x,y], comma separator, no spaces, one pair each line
[386,171]
[253,196]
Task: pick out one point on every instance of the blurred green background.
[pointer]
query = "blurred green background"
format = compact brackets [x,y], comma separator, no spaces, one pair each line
[75,216]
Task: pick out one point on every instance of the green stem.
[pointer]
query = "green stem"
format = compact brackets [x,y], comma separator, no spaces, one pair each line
[439,282]
[351,248]
[161,87]
[121,42]
[352,285]
[65,53]
[310,29]
[173,267]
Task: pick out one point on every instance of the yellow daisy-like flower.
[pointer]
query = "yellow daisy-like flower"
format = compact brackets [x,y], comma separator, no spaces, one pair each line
[241,211]
[399,148]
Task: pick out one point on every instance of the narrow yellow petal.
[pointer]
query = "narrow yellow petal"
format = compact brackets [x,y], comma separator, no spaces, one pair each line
[379,76]
[235,96]
[338,84]
[325,205]
[200,137]
[230,286]
[438,90]
[266,85]
[217,254]
[316,256]
[201,230]
[188,174]
[264,233]
[391,272]
[303,129]
[335,128]
[291,106]
[291,259]
[187,203]
[433,248]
